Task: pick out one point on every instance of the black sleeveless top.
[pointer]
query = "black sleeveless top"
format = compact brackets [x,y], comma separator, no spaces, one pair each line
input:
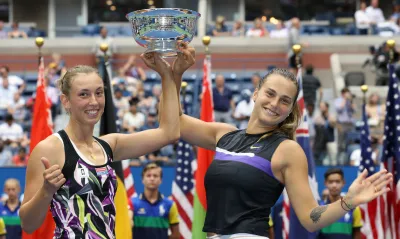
[84,206]
[240,186]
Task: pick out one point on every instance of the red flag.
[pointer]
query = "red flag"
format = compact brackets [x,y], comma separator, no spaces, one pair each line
[41,128]
[205,156]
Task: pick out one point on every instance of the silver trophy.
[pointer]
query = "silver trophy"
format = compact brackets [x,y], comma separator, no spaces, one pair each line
[159,29]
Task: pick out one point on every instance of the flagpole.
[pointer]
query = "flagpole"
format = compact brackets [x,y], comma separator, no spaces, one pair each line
[39,41]
[364,89]
[297,50]
[391,44]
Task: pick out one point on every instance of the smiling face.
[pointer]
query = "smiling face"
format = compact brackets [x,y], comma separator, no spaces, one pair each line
[85,101]
[274,100]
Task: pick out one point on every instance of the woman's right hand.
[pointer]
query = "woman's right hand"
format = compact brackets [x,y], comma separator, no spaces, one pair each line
[53,178]
[154,61]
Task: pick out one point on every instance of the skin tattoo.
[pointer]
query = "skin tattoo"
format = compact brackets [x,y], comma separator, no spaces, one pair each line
[317,212]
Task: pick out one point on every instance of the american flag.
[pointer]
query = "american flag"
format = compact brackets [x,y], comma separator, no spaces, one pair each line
[128,179]
[292,227]
[182,186]
[370,218]
[391,159]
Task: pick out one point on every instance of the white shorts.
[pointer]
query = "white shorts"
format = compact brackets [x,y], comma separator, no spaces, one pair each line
[237,236]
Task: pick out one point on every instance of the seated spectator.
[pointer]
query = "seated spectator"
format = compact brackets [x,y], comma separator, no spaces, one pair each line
[396,12]
[21,159]
[3,33]
[129,81]
[238,29]
[258,30]
[121,103]
[280,31]
[355,156]
[243,109]
[10,208]
[15,32]
[133,120]
[220,29]
[151,121]
[5,155]
[13,80]
[133,70]
[11,133]
[17,108]
[151,101]
[362,19]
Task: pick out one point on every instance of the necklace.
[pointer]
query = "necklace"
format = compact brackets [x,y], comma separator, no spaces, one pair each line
[88,148]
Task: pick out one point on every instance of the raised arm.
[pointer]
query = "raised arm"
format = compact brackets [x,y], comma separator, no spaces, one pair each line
[43,179]
[195,131]
[129,146]
[312,216]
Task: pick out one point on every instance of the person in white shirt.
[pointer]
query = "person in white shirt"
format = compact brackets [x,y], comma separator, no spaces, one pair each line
[7,92]
[362,19]
[375,15]
[280,31]
[258,30]
[13,80]
[11,133]
[243,109]
[133,120]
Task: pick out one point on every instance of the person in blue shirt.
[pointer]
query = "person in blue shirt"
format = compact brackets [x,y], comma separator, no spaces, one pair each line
[154,214]
[9,209]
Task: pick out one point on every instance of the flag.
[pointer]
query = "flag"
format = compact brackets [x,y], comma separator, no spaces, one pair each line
[108,125]
[371,219]
[391,159]
[204,157]
[292,227]
[41,128]
[182,186]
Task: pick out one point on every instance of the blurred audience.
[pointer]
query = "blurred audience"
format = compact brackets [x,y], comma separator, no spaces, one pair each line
[131,69]
[3,33]
[220,28]
[15,32]
[258,30]
[99,54]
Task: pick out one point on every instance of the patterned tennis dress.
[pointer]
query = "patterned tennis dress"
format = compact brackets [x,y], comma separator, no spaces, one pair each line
[84,206]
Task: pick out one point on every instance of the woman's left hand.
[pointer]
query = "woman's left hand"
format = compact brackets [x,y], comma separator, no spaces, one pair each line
[364,189]
[185,58]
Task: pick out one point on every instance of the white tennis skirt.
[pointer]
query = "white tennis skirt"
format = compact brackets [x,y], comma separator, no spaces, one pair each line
[237,236]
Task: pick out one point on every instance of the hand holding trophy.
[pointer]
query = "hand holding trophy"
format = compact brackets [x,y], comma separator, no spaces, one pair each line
[163,30]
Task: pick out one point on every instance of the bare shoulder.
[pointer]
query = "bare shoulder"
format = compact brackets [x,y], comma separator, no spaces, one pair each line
[291,153]
[51,148]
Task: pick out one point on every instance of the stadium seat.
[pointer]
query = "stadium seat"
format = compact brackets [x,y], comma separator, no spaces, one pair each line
[354,78]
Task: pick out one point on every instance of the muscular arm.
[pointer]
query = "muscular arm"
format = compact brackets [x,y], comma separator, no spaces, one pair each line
[198,132]
[36,200]
[295,175]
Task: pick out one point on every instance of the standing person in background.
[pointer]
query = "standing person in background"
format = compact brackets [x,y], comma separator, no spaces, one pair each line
[223,100]
[347,227]
[99,54]
[153,213]
[10,208]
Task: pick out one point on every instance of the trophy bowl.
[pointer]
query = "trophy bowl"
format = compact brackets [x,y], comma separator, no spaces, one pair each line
[160,29]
